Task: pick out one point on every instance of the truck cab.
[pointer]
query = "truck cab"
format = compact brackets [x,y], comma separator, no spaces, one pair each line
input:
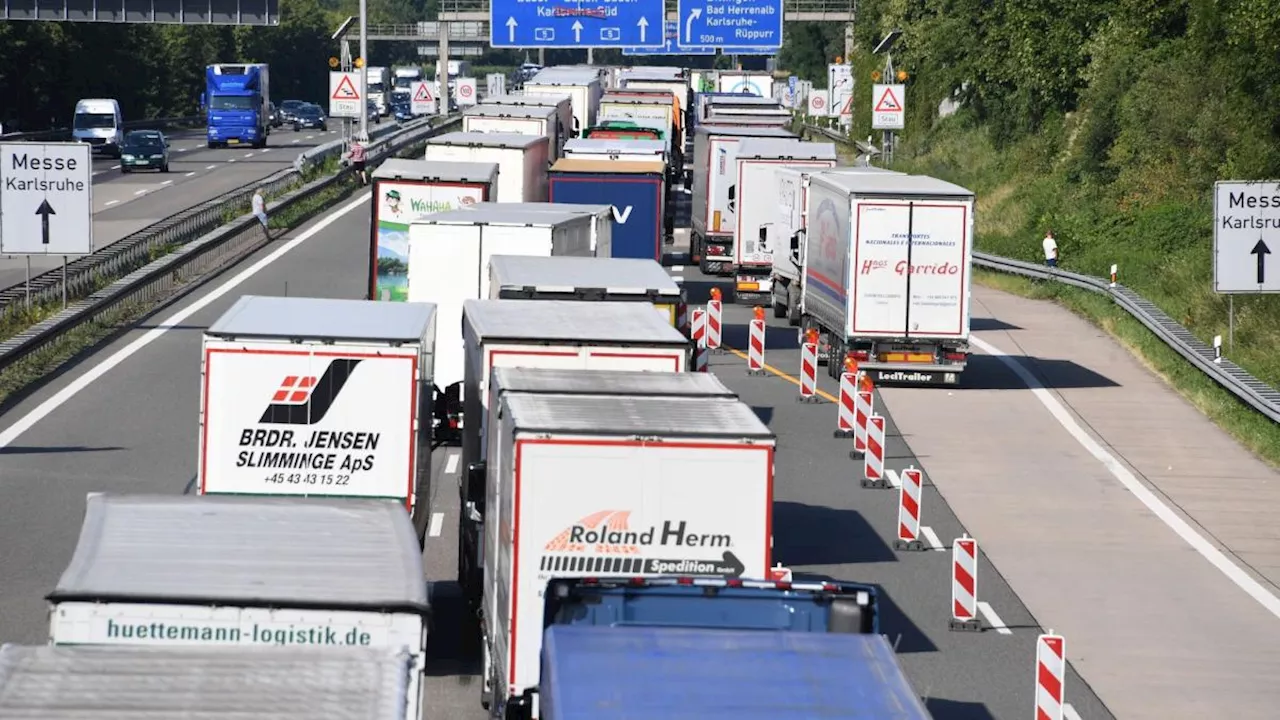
[238,101]
[98,124]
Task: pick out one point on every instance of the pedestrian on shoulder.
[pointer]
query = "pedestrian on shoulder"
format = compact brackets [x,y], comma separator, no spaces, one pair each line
[259,205]
[1050,250]
[357,156]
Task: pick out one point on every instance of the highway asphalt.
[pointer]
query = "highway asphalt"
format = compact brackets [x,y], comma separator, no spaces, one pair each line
[126,203]
[124,419]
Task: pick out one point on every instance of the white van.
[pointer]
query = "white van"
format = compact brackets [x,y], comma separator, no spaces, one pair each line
[98,123]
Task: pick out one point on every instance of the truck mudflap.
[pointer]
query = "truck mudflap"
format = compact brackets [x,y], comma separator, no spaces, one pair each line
[717,256]
[913,373]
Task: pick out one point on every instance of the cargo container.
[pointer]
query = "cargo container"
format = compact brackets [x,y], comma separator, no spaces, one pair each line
[561,102]
[405,191]
[95,683]
[636,191]
[785,236]
[615,486]
[679,91]
[753,197]
[534,120]
[549,381]
[451,252]
[608,149]
[757,83]
[601,219]
[715,151]
[315,396]
[655,110]
[246,573]
[624,130]
[522,160]
[717,114]
[887,274]
[583,86]
[588,278]
[709,100]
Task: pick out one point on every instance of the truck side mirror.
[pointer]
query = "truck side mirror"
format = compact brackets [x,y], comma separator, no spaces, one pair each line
[795,243]
[764,234]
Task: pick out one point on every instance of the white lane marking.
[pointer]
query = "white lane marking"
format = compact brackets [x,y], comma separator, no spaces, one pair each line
[115,167]
[1069,712]
[110,202]
[678,278]
[181,149]
[166,182]
[210,167]
[892,477]
[1215,556]
[232,160]
[93,374]
[248,155]
[266,150]
[451,465]
[140,192]
[189,174]
[311,137]
[993,619]
[931,537]
[677,268]
[437,520]
[296,141]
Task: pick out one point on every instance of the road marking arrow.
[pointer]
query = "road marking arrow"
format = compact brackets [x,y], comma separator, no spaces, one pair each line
[1261,251]
[577,31]
[45,210]
[511,29]
[694,14]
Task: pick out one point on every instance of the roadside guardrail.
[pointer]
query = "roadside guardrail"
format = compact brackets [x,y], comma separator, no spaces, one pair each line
[1235,379]
[205,238]
[57,134]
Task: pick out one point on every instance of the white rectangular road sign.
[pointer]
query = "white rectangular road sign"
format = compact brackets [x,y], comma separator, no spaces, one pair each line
[819,103]
[422,98]
[466,91]
[46,199]
[496,84]
[888,107]
[345,95]
[840,91]
[1246,237]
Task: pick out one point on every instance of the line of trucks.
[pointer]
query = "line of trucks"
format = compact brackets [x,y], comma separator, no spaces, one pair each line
[605,576]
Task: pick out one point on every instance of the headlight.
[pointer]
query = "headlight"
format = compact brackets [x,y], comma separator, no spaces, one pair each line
[126,157]
[157,157]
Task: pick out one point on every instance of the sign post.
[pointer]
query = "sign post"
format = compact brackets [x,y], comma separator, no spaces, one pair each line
[567,24]
[46,207]
[1246,242]
[344,95]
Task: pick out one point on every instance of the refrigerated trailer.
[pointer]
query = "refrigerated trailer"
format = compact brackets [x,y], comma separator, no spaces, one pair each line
[247,573]
[583,86]
[319,397]
[601,215]
[534,120]
[562,103]
[887,274]
[591,279]
[522,160]
[614,486]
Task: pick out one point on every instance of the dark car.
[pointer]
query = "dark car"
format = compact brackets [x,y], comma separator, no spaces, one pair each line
[288,108]
[310,117]
[402,111]
[276,115]
[144,150]
[375,117]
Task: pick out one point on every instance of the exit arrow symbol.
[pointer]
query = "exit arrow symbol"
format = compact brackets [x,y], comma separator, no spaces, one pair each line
[511,29]
[1260,251]
[694,14]
[44,211]
[577,31]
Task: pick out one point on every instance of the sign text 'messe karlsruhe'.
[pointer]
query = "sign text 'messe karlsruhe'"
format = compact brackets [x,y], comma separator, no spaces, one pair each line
[1247,205]
[21,162]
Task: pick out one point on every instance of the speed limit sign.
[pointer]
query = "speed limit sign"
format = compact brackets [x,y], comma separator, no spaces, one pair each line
[818,103]
[466,91]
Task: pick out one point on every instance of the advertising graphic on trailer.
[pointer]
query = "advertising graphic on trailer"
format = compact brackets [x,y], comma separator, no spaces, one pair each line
[283,422]
[396,205]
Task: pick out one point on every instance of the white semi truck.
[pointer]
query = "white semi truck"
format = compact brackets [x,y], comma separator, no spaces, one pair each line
[888,273]
[379,79]
[247,573]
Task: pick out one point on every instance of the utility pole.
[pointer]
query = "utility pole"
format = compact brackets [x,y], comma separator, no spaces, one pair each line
[364,70]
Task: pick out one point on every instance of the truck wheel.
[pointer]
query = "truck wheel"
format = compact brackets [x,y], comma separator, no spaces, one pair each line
[695,248]
[793,306]
[779,310]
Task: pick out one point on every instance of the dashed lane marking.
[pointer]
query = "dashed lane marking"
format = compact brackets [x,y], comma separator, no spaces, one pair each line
[437,521]
[931,537]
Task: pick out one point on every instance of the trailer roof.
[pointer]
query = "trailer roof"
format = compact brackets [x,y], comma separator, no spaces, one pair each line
[324,319]
[271,551]
[764,131]
[754,148]
[700,417]
[564,321]
[566,274]
[51,682]
[501,214]
[540,112]
[563,77]
[481,139]
[657,97]
[546,207]
[611,673]
[578,165]
[640,146]
[749,121]
[851,169]
[880,184]
[530,99]
[437,170]
[609,382]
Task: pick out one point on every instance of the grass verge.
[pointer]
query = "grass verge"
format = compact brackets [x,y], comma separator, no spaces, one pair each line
[1256,432]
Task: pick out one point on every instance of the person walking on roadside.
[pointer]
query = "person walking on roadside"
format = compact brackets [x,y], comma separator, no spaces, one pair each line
[259,206]
[1050,250]
[357,157]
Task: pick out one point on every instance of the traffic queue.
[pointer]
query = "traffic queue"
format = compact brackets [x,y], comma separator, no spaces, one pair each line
[614,503]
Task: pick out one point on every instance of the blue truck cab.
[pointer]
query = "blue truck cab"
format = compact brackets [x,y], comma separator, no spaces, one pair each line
[237,100]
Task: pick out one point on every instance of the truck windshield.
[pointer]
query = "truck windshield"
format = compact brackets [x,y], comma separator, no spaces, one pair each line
[92,121]
[375,87]
[404,82]
[231,102]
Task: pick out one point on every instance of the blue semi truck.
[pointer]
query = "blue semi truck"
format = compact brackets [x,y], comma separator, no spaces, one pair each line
[636,190]
[237,101]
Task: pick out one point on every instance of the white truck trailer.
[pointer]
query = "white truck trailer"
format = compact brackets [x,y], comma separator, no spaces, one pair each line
[380,85]
[475,513]
[615,486]
[624,149]
[449,263]
[756,83]
[582,85]
[562,103]
[785,235]
[535,120]
[246,573]
[512,277]
[601,219]
[94,683]
[319,397]
[715,152]
[753,197]
[887,274]
[522,160]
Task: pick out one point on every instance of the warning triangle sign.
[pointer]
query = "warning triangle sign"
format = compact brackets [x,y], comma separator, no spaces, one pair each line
[848,106]
[888,103]
[346,90]
[423,94]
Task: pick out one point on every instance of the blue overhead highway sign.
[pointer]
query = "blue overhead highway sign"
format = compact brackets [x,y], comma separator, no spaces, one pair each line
[737,24]
[561,24]
[672,47]
[728,50]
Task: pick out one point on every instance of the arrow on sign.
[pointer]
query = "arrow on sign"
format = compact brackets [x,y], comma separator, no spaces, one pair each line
[694,14]
[577,31]
[44,211]
[1261,251]
[511,29]
[643,25]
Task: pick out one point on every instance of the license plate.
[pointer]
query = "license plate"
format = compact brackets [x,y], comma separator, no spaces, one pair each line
[233,142]
[906,357]
[749,287]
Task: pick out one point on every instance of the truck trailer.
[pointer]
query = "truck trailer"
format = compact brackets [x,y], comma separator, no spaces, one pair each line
[379,89]
[562,103]
[513,277]
[245,573]
[753,198]
[887,274]
[582,85]
[601,220]
[534,120]
[319,397]
[474,511]
[522,160]
[406,191]
[615,486]
[237,101]
[635,190]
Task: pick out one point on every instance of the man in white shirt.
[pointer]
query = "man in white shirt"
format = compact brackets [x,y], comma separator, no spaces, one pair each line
[1050,250]
[259,206]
